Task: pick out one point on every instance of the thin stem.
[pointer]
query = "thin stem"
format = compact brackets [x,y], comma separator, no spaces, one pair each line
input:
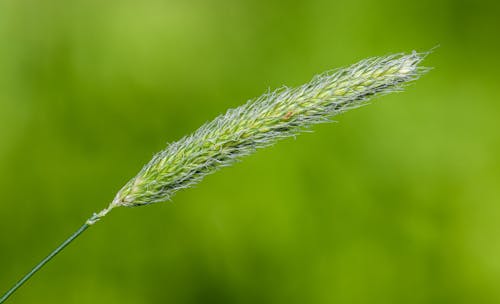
[87,224]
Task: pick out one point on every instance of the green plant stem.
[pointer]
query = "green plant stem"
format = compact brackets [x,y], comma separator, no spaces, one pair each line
[49,257]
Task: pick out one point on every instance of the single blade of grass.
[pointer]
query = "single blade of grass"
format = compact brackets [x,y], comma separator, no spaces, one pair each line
[257,124]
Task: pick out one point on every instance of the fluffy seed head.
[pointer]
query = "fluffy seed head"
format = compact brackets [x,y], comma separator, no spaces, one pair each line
[264,120]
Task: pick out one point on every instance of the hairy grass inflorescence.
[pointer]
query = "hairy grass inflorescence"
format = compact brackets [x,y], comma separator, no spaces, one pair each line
[256,124]
[261,122]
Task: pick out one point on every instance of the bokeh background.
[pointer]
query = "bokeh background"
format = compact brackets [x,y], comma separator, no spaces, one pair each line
[397,203]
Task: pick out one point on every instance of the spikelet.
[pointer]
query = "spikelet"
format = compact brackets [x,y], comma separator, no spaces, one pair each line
[263,121]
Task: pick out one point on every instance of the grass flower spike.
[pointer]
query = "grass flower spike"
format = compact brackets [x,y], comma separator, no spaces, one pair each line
[258,123]
[263,121]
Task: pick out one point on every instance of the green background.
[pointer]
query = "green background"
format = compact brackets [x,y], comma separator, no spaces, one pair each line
[399,202]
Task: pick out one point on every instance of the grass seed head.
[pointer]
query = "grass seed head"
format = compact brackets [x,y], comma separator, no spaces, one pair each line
[263,121]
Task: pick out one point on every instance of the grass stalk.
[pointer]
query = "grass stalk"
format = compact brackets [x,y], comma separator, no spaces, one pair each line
[49,257]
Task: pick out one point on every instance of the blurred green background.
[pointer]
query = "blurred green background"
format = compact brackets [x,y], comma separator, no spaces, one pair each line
[397,203]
